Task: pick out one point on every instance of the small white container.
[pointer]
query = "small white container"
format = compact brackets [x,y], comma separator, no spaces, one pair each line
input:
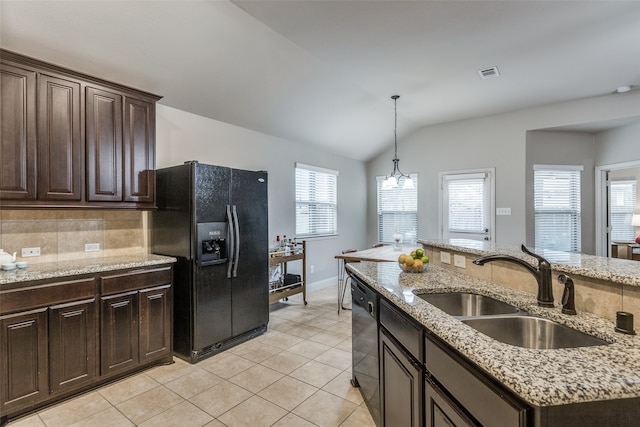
[9,266]
[22,264]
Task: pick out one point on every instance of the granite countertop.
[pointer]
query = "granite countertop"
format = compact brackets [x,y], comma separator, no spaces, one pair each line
[39,271]
[616,270]
[540,377]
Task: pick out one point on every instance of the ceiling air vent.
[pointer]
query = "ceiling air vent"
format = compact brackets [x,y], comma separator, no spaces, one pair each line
[488,73]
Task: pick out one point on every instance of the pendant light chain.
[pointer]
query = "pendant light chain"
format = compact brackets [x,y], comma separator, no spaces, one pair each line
[393,180]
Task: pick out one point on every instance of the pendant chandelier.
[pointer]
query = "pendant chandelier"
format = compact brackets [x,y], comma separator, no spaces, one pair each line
[393,180]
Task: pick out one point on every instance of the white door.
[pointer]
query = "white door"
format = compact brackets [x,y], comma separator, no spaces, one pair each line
[467,205]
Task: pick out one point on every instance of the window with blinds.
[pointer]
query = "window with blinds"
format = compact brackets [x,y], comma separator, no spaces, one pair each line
[622,204]
[467,202]
[557,207]
[397,211]
[316,201]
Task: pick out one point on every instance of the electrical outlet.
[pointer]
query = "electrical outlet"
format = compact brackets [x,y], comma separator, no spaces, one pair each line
[312,269]
[27,252]
[92,247]
[459,261]
[445,257]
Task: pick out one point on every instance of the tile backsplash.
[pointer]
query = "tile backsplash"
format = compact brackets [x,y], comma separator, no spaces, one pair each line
[62,234]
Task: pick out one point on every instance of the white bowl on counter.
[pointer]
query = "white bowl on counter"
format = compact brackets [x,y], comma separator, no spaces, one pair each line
[9,266]
[22,264]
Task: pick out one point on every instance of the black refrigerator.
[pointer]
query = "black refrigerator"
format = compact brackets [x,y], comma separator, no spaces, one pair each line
[214,220]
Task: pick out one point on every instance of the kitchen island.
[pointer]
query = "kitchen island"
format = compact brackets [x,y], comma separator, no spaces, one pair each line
[581,386]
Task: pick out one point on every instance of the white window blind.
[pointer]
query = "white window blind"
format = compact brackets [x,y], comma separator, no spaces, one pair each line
[467,201]
[316,201]
[557,207]
[397,211]
[622,206]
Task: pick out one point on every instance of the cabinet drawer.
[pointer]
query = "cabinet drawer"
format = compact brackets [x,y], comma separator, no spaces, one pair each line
[403,329]
[483,400]
[47,294]
[137,279]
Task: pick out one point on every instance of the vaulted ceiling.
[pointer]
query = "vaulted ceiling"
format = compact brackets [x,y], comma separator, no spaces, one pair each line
[323,72]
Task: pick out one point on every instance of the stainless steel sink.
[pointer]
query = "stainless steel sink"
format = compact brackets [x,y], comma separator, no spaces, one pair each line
[532,332]
[468,304]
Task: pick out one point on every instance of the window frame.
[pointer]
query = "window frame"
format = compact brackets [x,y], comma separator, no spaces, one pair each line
[316,200]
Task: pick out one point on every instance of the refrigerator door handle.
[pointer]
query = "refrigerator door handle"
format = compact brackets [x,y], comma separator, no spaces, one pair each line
[231,242]
[236,245]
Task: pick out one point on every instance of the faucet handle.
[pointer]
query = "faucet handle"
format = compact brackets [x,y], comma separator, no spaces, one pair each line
[568,296]
[542,262]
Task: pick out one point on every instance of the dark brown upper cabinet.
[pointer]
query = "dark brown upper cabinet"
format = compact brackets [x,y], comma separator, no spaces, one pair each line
[17,133]
[73,140]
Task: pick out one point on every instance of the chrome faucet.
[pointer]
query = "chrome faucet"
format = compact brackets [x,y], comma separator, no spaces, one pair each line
[542,273]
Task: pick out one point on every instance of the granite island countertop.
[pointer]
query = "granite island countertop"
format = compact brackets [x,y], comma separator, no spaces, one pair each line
[625,272]
[49,270]
[540,377]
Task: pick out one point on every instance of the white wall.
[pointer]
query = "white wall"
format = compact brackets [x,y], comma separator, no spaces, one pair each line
[182,136]
[496,141]
[619,145]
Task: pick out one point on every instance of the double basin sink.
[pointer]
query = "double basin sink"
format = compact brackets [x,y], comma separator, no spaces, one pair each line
[507,323]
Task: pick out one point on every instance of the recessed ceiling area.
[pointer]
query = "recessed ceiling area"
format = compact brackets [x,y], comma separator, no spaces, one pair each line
[322,72]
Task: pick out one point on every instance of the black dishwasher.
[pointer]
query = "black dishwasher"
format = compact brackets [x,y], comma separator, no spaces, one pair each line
[365,345]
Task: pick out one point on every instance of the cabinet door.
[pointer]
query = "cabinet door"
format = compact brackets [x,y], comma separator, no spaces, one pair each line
[72,344]
[60,151]
[139,151]
[17,133]
[23,359]
[155,322]
[401,385]
[104,145]
[119,332]
[441,411]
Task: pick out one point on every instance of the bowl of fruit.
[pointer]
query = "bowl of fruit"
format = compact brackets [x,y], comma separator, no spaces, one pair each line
[415,262]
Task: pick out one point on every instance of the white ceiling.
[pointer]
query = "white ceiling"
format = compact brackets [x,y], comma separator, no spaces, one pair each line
[322,72]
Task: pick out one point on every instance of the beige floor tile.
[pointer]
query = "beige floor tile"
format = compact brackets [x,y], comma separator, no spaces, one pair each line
[194,382]
[183,414]
[343,328]
[254,412]
[327,338]
[283,340]
[309,349]
[335,357]
[344,345]
[227,367]
[30,421]
[288,392]
[304,331]
[214,423]
[108,418]
[258,352]
[148,404]
[74,410]
[127,388]
[359,418]
[315,373]
[325,409]
[292,420]
[220,398]
[256,378]
[285,362]
[165,373]
[341,387]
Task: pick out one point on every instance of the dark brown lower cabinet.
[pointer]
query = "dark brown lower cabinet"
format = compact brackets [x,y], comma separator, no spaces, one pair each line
[62,337]
[119,332]
[72,345]
[401,385]
[24,359]
[155,322]
[441,411]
